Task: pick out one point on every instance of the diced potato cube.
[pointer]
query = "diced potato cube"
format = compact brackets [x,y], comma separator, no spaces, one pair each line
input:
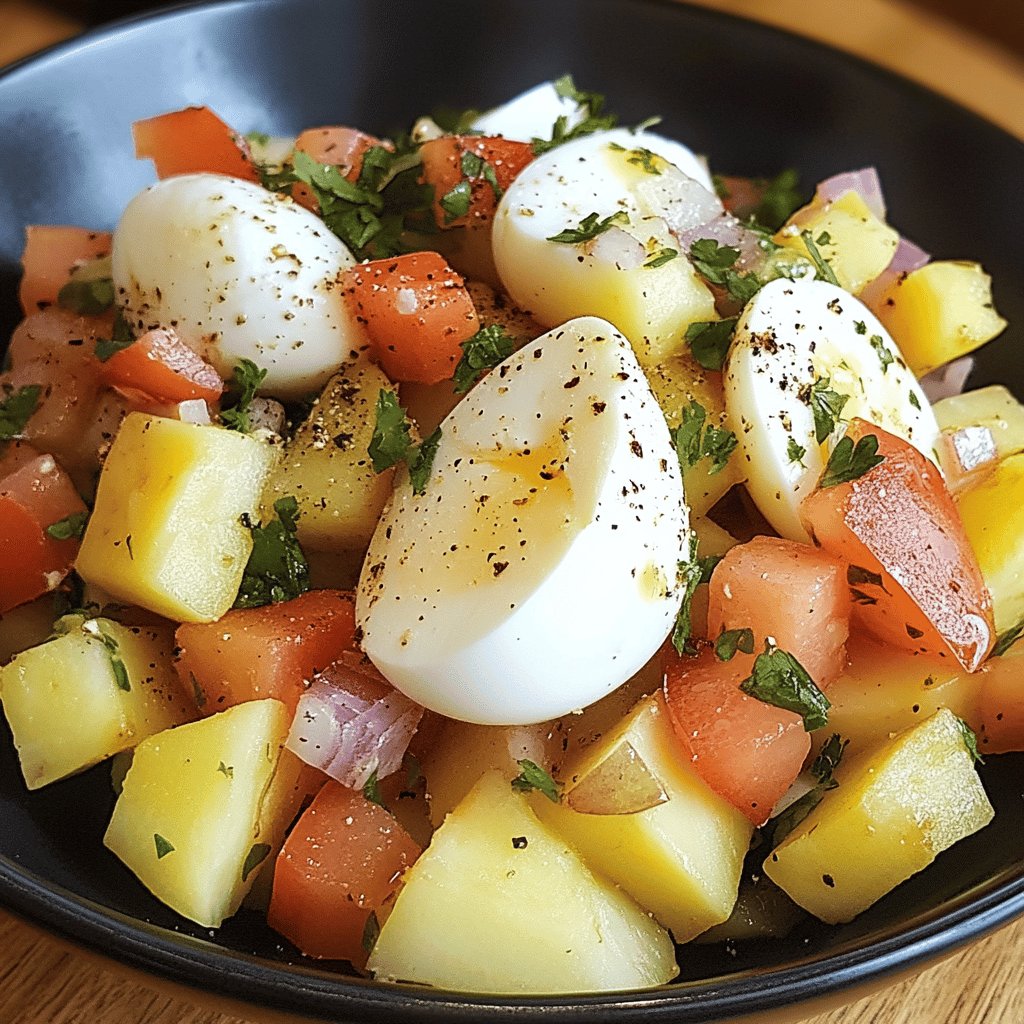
[993,516]
[894,811]
[67,707]
[681,859]
[200,855]
[940,312]
[166,532]
[676,383]
[500,904]
[884,691]
[857,245]
[993,407]
[326,467]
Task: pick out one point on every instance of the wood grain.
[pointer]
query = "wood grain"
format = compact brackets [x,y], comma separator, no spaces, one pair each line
[42,982]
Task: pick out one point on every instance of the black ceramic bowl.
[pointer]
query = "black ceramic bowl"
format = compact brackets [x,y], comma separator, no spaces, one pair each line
[757,101]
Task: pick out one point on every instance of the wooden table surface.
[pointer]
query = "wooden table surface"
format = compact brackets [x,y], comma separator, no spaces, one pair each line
[41,982]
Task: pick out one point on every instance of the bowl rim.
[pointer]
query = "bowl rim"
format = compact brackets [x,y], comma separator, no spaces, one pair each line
[300,987]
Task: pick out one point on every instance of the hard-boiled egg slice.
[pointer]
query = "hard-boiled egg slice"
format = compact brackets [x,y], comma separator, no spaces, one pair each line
[530,115]
[796,342]
[240,273]
[632,274]
[539,569]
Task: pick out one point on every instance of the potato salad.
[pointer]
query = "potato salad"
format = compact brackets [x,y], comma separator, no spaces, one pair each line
[507,531]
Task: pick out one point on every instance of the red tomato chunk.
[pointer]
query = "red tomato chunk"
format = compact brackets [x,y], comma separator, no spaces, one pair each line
[191,141]
[164,367]
[51,253]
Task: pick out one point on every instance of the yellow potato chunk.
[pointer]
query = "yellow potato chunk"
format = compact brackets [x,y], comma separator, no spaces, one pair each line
[499,904]
[201,855]
[676,383]
[895,810]
[993,407]
[166,533]
[326,467]
[857,245]
[69,708]
[940,312]
[993,516]
[680,859]
[884,691]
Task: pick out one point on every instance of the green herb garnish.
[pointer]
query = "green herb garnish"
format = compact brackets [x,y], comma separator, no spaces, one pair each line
[970,740]
[488,347]
[391,443]
[885,357]
[709,340]
[795,452]
[257,854]
[226,770]
[850,462]
[660,258]
[245,382]
[163,847]
[594,119]
[1007,639]
[826,406]
[17,408]
[692,574]
[531,776]
[693,442]
[455,202]
[371,932]
[87,297]
[780,680]
[824,272]
[823,769]
[732,640]
[70,526]
[781,197]
[277,569]
[371,789]
[589,228]
[422,462]
[715,264]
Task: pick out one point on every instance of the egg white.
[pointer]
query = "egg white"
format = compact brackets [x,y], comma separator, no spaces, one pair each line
[239,273]
[539,569]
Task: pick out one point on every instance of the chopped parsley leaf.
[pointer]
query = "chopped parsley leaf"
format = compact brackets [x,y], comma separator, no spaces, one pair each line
[70,526]
[823,271]
[371,789]
[732,640]
[826,405]
[475,166]
[715,264]
[422,462]
[122,338]
[885,357]
[823,769]
[531,776]
[87,297]
[391,443]
[589,228]
[277,569]
[371,932]
[644,159]
[163,847]
[970,740]
[226,770]
[93,628]
[781,197]
[780,680]
[849,462]
[257,854]
[660,258]
[692,574]
[594,119]
[915,401]
[455,122]
[860,327]
[488,347]
[694,442]
[17,408]
[1007,639]
[455,202]
[795,452]
[709,340]
[246,379]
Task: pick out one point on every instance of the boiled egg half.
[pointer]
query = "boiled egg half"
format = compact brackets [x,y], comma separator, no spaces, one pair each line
[538,571]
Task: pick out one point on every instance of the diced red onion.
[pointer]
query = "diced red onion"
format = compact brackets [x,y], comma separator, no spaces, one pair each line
[680,200]
[267,414]
[728,230]
[907,258]
[618,248]
[865,183]
[966,455]
[947,380]
[351,723]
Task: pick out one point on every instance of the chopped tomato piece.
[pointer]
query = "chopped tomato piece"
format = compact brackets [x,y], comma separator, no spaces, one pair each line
[914,578]
[470,174]
[273,651]
[747,751]
[32,562]
[164,367]
[416,312]
[50,254]
[343,859]
[1000,717]
[337,146]
[190,141]
[788,591]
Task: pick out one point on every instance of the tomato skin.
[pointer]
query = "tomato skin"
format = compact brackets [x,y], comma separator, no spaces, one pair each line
[342,860]
[747,751]
[899,522]
[416,312]
[190,141]
[442,168]
[51,252]
[789,591]
[160,364]
[273,651]
[32,563]
[336,146]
